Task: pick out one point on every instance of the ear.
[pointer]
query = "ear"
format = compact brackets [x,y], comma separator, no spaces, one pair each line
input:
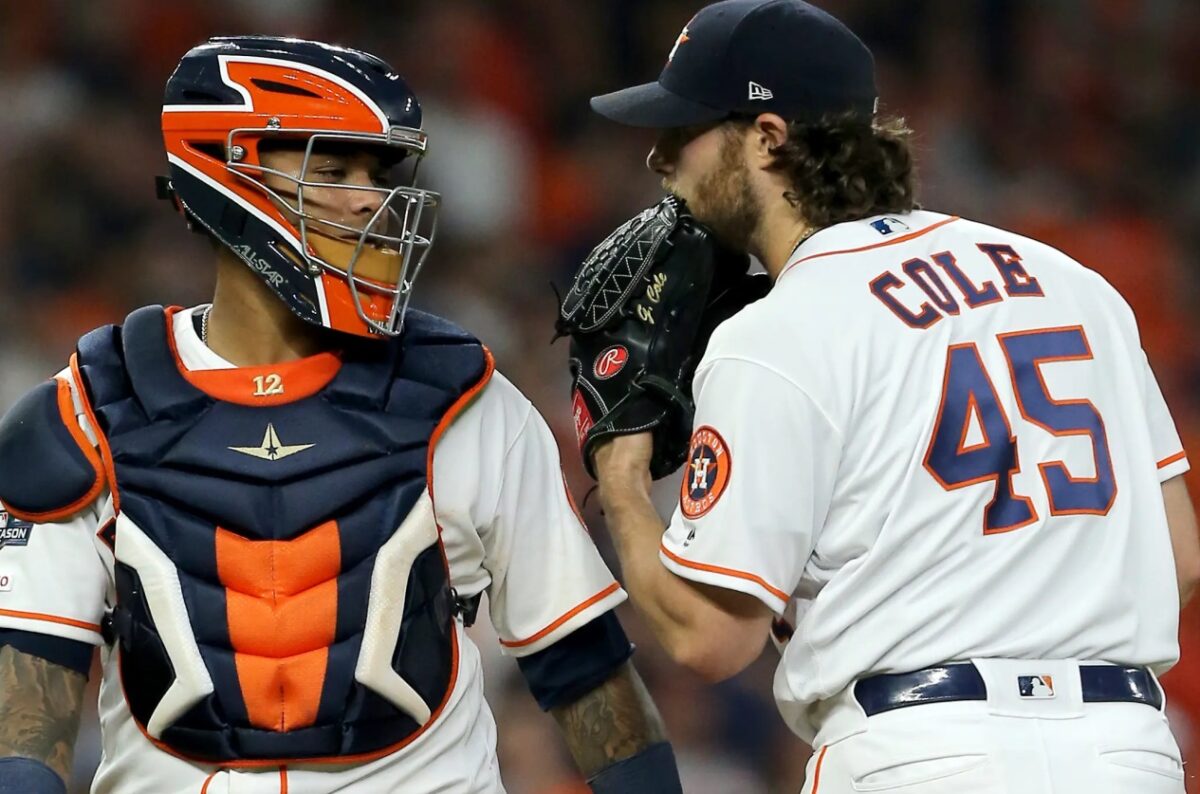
[767,132]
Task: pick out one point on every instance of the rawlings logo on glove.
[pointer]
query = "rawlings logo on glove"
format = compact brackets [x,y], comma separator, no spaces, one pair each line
[639,313]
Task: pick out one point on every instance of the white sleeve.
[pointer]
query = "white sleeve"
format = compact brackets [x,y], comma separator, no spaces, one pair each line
[756,485]
[547,578]
[1164,438]
[53,579]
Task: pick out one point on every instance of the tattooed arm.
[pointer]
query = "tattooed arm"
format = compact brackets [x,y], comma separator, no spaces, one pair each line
[40,706]
[615,722]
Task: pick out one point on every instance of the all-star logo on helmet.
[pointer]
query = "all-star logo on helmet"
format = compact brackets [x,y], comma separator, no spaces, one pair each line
[228,96]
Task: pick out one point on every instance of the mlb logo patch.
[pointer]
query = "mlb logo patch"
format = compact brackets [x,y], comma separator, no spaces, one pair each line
[1036,687]
[13,531]
[886,226]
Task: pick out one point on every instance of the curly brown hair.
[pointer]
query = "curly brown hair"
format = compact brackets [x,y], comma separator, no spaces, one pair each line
[843,168]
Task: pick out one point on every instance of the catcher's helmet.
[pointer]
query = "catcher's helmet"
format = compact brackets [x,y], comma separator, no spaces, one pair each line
[227,97]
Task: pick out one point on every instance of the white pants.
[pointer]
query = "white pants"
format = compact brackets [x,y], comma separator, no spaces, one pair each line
[1005,745]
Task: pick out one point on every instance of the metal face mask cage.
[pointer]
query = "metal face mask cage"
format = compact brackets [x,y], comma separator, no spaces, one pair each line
[403,226]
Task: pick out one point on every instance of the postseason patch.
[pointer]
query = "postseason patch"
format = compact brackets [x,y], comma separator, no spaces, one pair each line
[13,531]
[706,472]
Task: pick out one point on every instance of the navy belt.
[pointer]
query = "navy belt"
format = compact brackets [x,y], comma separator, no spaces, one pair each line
[1101,684]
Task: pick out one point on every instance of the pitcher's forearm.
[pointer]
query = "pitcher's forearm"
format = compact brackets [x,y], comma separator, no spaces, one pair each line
[669,604]
[40,708]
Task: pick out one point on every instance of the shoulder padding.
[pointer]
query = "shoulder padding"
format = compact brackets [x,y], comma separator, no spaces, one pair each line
[424,328]
[49,470]
[438,353]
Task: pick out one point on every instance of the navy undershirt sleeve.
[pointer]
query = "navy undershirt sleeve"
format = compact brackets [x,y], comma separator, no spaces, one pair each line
[578,663]
[72,654]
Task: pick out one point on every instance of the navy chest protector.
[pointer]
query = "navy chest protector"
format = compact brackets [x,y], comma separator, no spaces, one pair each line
[282,590]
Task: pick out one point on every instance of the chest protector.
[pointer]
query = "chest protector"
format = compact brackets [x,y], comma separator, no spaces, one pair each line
[282,590]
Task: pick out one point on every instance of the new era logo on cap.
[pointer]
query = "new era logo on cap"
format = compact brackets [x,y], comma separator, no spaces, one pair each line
[760,92]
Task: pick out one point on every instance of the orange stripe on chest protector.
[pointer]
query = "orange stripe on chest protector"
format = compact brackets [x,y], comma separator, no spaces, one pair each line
[281,604]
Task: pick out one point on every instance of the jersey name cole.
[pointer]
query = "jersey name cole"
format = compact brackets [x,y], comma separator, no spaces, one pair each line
[940,300]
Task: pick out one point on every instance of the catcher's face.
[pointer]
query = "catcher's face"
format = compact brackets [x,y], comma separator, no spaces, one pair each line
[706,167]
[341,189]
[337,168]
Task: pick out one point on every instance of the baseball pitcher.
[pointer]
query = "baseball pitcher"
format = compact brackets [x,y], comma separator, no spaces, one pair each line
[932,459]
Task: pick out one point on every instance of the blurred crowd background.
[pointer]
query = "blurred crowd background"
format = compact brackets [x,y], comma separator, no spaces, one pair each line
[1074,121]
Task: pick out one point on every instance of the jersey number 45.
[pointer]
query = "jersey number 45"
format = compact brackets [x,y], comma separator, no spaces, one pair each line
[967,391]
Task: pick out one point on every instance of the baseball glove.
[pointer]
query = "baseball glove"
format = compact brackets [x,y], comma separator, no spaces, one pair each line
[639,313]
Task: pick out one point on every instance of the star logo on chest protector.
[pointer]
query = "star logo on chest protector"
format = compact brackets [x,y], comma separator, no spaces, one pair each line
[271,447]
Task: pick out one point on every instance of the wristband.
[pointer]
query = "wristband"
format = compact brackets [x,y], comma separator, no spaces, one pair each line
[653,769]
[27,776]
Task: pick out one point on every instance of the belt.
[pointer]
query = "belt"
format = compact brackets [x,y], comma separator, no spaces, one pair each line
[1101,684]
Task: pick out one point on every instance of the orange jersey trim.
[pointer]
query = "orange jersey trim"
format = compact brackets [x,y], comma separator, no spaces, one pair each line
[750,577]
[883,244]
[79,624]
[605,593]
[817,771]
[1165,462]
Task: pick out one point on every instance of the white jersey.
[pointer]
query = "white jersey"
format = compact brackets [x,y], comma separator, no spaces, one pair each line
[508,526]
[934,440]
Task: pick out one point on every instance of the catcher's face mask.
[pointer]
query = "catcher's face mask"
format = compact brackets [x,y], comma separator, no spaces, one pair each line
[341,251]
[358,214]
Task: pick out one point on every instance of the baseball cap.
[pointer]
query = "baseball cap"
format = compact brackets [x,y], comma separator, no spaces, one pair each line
[752,56]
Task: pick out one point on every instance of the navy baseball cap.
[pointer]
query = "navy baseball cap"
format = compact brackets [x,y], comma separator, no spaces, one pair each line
[751,57]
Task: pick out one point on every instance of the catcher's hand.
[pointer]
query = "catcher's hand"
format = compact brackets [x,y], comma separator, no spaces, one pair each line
[639,314]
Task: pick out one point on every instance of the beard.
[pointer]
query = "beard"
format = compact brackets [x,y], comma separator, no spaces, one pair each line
[725,201]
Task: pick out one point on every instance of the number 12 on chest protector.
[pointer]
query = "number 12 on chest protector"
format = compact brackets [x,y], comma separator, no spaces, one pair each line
[968,393]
